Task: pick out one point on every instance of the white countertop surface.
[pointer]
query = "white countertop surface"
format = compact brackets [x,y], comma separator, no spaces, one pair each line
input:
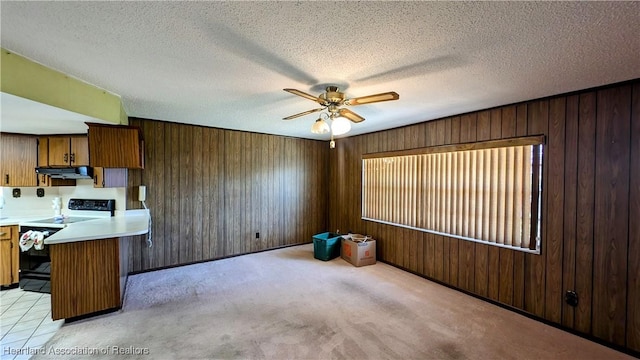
[132,222]
[16,220]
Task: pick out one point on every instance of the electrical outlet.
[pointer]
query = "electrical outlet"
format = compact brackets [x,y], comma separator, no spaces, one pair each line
[571,298]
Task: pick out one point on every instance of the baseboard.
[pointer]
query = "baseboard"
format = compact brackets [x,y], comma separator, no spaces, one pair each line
[215,259]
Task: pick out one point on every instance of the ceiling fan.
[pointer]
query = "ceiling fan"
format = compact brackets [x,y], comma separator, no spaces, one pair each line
[332,100]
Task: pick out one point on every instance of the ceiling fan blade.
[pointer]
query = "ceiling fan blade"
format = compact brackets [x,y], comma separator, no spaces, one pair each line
[346,113]
[305,95]
[302,114]
[391,95]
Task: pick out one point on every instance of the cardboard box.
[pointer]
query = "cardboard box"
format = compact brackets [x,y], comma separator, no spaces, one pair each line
[357,252]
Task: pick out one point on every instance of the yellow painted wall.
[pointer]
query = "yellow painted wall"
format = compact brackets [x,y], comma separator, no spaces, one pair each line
[22,77]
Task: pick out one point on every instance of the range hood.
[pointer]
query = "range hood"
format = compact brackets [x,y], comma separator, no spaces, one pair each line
[81,172]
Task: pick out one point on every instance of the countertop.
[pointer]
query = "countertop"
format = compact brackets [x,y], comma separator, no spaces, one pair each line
[132,222]
[16,220]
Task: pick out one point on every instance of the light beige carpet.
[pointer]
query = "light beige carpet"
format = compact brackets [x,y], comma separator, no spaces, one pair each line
[284,304]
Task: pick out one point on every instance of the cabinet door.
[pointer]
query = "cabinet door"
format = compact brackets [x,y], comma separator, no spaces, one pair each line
[98,177]
[115,146]
[8,259]
[15,254]
[43,151]
[79,151]
[18,160]
[59,151]
[44,180]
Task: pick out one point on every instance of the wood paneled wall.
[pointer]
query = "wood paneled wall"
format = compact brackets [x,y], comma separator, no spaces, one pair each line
[590,211]
[211,190]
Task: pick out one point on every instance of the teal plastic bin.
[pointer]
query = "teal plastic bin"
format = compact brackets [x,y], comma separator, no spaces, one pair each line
[326,246]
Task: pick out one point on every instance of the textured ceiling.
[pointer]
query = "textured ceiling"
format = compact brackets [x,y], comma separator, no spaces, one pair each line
[224,64]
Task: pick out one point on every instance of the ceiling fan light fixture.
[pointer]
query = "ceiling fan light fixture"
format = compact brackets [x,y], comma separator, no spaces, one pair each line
[332,101]
[340,126]
[320,127]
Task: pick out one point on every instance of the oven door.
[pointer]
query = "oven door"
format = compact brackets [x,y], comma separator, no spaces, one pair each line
[35,265]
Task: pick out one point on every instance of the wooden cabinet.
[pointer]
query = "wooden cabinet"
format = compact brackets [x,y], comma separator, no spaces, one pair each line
[106,178]
[18,157]
[86,276]
[115,146]
[43,151]
[9,255]
[46,180]
[54,150]
[63,151]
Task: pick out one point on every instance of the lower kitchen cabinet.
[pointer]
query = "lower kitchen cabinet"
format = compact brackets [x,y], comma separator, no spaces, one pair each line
[9,255]
[87,277]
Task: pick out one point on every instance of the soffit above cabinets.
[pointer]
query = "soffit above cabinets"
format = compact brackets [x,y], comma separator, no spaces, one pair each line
[24,116]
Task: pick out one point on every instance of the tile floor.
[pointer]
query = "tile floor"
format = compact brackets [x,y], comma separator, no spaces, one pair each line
[25,323]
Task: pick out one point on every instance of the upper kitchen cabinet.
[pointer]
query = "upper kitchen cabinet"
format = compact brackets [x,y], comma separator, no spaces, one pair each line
[115,146]
[43,161]
[105,178]
[63,151]
[18,160]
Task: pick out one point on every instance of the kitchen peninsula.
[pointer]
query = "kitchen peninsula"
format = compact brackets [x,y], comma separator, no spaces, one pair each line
[89,262]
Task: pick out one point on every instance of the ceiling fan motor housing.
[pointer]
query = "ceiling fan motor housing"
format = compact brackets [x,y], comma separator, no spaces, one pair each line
[333,95]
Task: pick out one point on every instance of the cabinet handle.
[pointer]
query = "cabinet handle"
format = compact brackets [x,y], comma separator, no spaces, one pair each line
[6,179]
[95,179]
[73,157]
[66,158]
[3,234]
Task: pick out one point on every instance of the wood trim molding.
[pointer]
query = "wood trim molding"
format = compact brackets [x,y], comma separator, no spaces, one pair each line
[519,141]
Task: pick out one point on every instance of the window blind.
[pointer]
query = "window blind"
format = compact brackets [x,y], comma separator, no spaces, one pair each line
[486,192]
